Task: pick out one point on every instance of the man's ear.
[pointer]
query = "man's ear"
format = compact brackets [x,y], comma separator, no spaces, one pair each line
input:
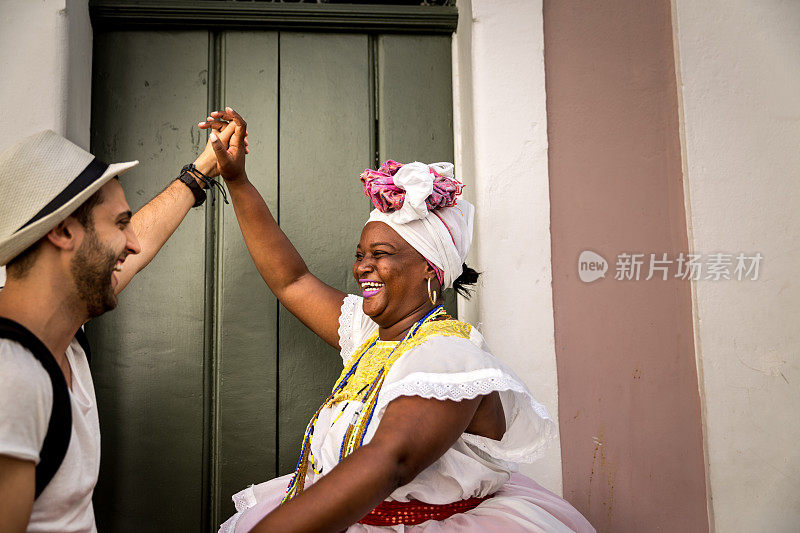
[66,234]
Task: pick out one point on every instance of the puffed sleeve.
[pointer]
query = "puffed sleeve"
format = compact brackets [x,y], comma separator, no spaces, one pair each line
[456,368]
[354,326]
[26,400]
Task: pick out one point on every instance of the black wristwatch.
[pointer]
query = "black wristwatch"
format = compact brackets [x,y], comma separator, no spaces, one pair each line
[190,175]
[187,177]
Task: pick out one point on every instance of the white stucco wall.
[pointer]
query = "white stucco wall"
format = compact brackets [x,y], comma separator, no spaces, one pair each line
[46,61]
[501,153]
[739,62]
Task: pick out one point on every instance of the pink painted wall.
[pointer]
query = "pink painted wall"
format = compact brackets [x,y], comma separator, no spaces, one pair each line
[629,407]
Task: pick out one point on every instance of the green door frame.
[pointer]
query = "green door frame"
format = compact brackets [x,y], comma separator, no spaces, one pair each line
[194,14]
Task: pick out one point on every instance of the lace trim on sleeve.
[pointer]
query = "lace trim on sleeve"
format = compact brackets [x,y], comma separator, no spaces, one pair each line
[468,385]
[457,387]
[491,446]
[242,500]
[346,326]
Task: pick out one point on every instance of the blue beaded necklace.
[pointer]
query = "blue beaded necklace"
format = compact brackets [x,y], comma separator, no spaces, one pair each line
[354,436]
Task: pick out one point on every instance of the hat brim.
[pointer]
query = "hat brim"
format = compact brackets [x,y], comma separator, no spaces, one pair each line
[17,242]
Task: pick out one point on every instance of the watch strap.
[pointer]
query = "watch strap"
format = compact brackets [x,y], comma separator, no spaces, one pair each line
[187,177]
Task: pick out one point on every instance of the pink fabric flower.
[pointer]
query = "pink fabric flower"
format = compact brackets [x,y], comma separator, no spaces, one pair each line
[386,196]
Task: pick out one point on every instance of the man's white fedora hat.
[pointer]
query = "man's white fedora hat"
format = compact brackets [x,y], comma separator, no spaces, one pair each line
[43,179]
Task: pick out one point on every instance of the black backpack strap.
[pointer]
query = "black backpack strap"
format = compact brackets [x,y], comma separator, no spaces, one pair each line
[59,428]
[83,340]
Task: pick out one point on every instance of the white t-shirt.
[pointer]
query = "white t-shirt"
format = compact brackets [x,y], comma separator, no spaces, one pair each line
[26,399]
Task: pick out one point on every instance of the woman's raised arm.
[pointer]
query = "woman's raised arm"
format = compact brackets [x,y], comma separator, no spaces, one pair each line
[316,304]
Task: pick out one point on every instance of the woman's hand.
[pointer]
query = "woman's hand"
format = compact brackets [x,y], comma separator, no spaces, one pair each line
[230,156]
[206,162]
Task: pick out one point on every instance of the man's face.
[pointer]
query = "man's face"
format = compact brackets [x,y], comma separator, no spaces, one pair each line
[106,242]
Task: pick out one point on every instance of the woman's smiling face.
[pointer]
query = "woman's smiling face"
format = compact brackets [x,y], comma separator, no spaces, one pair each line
[393,276]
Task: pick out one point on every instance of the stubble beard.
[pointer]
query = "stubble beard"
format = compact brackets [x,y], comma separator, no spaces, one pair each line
[91,270]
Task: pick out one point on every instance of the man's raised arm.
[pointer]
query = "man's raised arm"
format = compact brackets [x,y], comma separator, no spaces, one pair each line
[157,220]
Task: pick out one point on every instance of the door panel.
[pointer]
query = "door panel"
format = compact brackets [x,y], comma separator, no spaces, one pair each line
[324,146]
[148,367]
[415,105]
[204,383]
[248,357]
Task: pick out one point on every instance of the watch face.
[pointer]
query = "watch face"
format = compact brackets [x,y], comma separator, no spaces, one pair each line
[198,192]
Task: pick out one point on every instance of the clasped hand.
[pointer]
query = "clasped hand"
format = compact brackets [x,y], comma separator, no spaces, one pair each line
[227,143]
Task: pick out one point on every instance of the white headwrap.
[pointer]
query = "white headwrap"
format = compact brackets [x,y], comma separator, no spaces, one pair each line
[443,236]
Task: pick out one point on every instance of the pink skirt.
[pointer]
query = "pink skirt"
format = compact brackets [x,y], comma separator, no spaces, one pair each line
[520,505]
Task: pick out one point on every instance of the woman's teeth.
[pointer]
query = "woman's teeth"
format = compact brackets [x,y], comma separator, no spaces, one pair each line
[118,267]
[370,288]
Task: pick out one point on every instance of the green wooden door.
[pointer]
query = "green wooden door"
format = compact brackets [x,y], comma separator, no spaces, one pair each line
[204,382]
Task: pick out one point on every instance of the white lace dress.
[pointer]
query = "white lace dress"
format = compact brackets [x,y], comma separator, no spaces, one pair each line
[444,368]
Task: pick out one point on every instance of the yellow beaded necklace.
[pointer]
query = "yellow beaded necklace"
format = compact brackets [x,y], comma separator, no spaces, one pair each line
[361,380]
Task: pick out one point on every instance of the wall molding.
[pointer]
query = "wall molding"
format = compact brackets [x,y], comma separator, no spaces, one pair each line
[190,14]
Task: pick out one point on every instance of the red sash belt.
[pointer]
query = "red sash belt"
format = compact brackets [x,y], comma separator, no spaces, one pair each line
[392,513]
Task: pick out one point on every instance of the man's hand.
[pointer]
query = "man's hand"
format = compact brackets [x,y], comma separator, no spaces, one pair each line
[230,158]
[17,490]
[206,162]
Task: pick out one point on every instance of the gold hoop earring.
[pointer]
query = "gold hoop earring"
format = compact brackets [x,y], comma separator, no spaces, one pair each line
[431,296]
